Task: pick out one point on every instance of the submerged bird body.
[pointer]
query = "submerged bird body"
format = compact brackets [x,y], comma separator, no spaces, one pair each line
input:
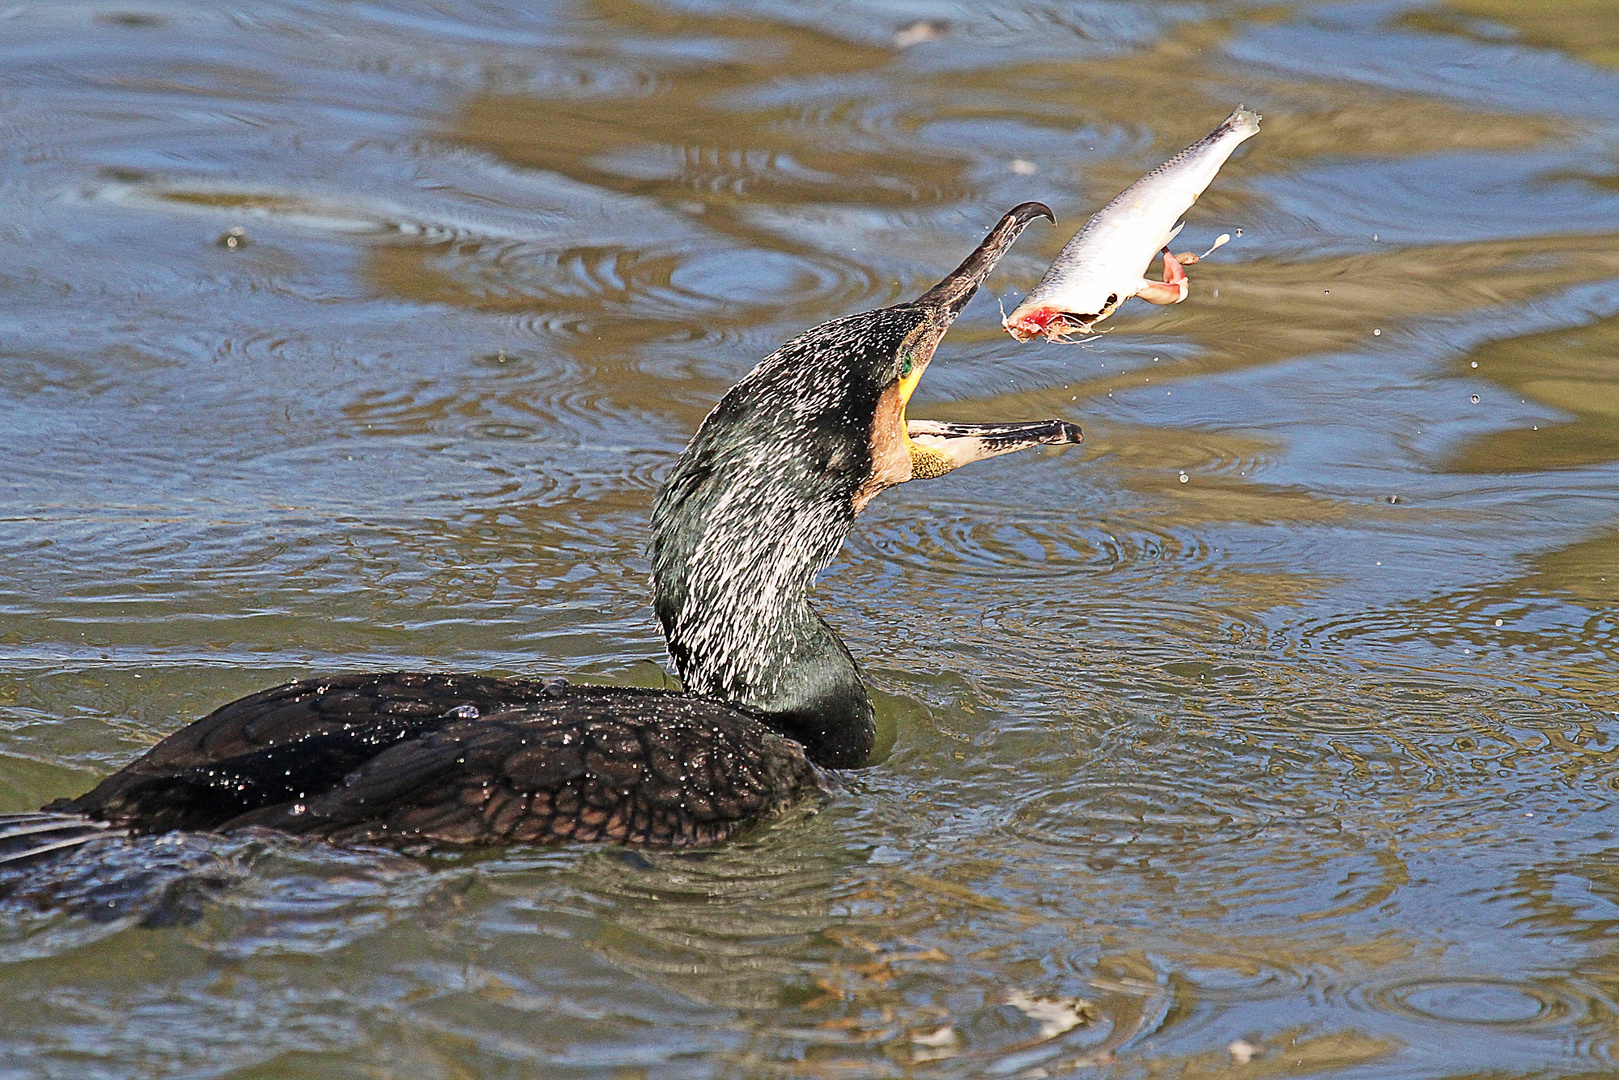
[758,503]
[1106,262]
[460,759]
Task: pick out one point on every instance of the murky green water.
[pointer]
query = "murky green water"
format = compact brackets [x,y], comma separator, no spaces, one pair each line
[1270,733]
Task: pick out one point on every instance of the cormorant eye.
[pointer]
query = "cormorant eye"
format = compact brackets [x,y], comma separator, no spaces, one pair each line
[906,363]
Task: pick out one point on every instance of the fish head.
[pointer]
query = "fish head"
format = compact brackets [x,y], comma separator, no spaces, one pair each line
[1083,304]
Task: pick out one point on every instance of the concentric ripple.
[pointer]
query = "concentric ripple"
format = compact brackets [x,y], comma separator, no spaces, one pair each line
[1232,977]
[1096,814]
[1485,1003]
[980,542]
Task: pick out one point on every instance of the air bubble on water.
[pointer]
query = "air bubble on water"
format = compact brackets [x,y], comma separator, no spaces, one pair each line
[1500,622]
[1475,399]
[1184,478]
[1475,363]
[1377,333]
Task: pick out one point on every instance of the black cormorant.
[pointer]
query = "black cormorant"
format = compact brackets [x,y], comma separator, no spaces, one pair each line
[758,504]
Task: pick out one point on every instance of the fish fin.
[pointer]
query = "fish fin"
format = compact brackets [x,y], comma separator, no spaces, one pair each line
[1187,258]
[1171,290]
[1162,292]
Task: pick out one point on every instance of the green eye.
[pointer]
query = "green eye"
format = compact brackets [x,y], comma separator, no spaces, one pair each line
[906,363]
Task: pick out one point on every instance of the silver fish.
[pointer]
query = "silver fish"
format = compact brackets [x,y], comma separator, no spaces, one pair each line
[1106,263]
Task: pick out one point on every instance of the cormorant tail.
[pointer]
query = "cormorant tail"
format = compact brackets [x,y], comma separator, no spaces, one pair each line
[27,835]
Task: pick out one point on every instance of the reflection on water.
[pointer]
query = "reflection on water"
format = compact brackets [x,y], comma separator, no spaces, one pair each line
[1268,733]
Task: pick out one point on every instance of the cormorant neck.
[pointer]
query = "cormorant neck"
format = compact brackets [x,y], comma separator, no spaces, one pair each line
[731,584]
[758,504]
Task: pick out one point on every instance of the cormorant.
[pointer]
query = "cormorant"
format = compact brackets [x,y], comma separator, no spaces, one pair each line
[758,503]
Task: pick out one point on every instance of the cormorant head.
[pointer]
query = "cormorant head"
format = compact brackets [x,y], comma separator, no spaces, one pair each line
[768,488]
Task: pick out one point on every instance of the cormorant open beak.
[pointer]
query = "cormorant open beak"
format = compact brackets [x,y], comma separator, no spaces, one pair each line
[936,448]
[941,304]
[959,285]
[905,449]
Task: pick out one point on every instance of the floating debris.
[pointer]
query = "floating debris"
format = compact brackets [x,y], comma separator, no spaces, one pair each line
[934,1045]
[1242,1051]
[1055,1015]
[922,30]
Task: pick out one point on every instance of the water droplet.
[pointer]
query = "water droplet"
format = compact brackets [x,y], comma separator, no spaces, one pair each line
[233,238]
[1184,478]
[1500,622]
[1475,399]
[298,808]
[1475,363]
[1377,333]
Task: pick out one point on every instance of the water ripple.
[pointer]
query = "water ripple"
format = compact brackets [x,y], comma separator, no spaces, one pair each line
[979,542]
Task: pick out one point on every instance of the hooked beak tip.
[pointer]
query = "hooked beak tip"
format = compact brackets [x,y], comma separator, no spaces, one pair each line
[960,284]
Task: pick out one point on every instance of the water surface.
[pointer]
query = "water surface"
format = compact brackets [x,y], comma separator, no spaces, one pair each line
[1269,733]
